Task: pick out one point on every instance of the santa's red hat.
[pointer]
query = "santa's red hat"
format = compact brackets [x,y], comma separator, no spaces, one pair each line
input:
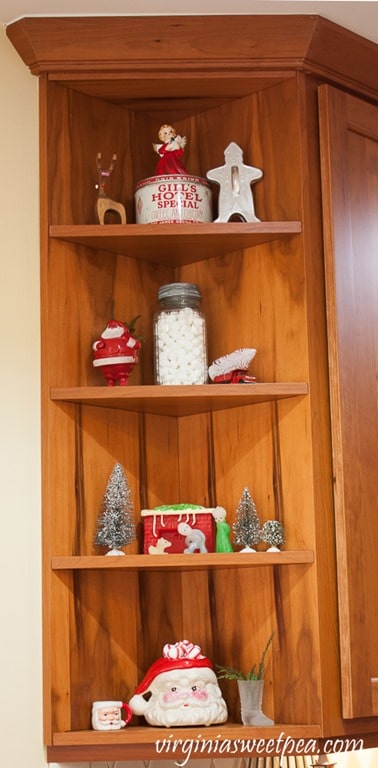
[181,655]
[167,665]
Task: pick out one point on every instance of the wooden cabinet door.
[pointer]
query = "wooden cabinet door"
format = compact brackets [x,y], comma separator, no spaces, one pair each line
[349,158]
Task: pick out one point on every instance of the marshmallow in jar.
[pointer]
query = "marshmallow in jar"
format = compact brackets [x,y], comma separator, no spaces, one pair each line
[180,336]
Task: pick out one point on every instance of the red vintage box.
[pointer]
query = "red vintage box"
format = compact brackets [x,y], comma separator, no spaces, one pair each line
[178,528]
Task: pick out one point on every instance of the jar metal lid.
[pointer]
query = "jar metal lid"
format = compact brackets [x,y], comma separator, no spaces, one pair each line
[187,290]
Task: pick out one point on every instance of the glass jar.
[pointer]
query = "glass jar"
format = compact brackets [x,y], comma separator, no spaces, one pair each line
[180,336]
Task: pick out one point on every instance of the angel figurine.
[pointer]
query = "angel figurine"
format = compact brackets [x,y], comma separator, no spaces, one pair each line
[170,151]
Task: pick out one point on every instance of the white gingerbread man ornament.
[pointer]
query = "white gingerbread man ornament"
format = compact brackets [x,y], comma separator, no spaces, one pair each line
[235,179]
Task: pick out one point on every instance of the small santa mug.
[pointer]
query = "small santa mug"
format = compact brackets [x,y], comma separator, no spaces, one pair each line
[107,716]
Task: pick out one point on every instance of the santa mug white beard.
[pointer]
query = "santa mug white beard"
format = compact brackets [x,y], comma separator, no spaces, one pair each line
[182,697]
[106,715]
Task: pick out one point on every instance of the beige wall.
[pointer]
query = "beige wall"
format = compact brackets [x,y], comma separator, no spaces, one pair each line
[20,643]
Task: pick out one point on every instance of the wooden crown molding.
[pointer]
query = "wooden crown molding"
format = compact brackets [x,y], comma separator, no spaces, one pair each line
[79,47]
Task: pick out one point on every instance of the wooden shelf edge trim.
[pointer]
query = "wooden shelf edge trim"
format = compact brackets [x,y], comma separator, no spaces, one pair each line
[274,228]
[149,735]
[143,743]
[187,391]
[212,560]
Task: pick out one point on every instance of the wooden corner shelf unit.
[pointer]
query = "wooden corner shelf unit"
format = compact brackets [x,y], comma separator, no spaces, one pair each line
[106,85]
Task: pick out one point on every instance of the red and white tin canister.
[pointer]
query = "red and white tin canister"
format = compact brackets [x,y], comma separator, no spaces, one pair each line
[174,199]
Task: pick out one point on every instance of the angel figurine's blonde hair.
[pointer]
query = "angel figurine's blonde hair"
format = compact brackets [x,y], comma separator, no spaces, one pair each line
[163,129]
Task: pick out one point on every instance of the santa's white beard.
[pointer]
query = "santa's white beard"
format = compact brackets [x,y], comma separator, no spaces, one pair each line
[197,713]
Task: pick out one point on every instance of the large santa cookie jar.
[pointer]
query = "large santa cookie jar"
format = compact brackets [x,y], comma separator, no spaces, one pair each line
[172,196]
[180,688]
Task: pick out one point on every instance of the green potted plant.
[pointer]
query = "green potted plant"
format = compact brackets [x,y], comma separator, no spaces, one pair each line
[251,689]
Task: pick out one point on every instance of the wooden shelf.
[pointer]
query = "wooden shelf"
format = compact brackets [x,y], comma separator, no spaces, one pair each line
[179,400]
[140,742]
[180,562]
[174,244]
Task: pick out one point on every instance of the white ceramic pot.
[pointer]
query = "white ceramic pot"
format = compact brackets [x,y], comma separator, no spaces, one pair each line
[174,199]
